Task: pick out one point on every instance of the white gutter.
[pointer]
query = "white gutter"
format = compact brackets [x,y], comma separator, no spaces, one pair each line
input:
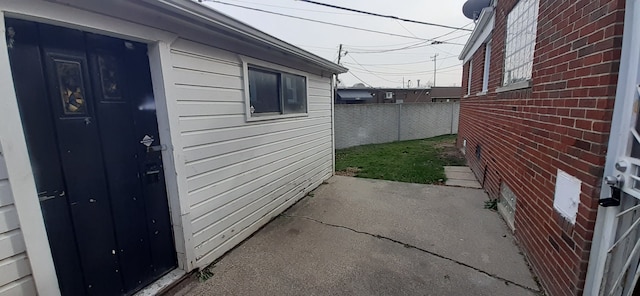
[226,23]
[480,33]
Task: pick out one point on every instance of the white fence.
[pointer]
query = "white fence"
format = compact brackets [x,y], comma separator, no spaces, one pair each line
[382,123]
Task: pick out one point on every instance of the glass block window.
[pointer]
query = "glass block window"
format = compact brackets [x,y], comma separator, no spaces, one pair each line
[522,22]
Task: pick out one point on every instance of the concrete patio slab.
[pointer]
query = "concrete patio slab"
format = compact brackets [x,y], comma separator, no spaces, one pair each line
[369,237]
[463,169]
[461,176]
[463,183]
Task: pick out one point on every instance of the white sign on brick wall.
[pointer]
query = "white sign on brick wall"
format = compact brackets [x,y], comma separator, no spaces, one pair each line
[567,196]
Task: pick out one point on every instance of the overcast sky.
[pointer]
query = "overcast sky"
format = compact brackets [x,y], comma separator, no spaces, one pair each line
[364,59]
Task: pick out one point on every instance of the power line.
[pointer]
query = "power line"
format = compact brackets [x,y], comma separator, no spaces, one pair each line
[456,30]
[403,73]
[361,47]
[385,16]
[317,21]
[351,57]
[410,63]
[402,48]
[362,68]
[405,28]
[453,38]
[384,66]
[293,8]
[354,75]
[418,45]
[387,45]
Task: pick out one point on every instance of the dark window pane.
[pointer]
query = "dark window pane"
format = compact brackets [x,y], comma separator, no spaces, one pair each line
[108,77]
[71,86]
[294,93]
[264,92]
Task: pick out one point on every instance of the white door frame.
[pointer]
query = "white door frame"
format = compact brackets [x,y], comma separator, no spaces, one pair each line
[23,189]
[622,122]
[15,148]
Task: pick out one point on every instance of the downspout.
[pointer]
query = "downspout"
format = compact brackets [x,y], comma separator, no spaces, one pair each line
[399,121]
[334,81]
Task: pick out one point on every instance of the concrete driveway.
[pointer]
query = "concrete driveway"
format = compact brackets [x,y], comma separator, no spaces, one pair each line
[369,237]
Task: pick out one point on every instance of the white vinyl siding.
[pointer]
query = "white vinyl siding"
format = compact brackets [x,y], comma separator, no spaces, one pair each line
[15,271]
[239,173]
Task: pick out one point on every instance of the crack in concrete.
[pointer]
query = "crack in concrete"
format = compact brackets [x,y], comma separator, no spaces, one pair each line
[410,246]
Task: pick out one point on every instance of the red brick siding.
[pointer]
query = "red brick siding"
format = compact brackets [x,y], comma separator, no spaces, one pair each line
[562,122]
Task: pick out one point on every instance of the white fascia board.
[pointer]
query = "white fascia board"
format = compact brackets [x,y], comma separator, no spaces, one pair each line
[480,34]
[202,13]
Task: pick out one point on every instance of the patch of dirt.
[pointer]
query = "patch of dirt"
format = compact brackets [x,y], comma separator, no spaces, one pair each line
[349,172]
[449,151]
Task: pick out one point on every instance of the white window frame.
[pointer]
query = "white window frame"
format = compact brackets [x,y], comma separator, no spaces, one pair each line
[487,66]
[470,74]
[389,95]
[520,43]
[259,64]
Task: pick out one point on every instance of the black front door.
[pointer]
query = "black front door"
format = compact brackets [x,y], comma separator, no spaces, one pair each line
[88,112]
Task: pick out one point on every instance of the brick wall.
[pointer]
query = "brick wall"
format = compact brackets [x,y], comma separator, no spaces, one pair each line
[561,122]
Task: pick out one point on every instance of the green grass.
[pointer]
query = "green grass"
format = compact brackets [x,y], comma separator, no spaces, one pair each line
[418,161]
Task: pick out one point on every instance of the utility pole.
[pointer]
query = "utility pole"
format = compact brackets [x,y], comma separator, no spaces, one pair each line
[434,57]
[339,57]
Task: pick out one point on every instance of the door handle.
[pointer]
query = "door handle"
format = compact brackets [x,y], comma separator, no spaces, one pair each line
[156,148]
[615,183]
[152,173]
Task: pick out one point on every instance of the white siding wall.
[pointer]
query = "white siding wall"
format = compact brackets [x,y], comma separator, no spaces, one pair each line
[240,174]
[15,272]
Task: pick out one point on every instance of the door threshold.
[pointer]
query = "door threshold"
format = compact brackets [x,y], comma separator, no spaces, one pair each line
[163,283]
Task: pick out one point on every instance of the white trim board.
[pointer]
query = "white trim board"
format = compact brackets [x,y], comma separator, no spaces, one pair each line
[23,186]
[172,157]
[481,33]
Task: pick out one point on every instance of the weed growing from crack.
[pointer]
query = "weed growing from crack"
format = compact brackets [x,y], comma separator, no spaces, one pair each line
[204,274]
[491,204]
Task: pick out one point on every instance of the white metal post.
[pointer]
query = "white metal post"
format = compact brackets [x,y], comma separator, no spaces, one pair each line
[622,122]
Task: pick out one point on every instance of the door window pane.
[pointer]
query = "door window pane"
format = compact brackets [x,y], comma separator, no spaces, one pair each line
[295,93]
[71,86]
[108,77]
[264,91]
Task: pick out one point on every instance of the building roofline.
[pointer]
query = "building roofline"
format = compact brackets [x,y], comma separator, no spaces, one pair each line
[395,88]
[202,13]
[382,88]
[485,22]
